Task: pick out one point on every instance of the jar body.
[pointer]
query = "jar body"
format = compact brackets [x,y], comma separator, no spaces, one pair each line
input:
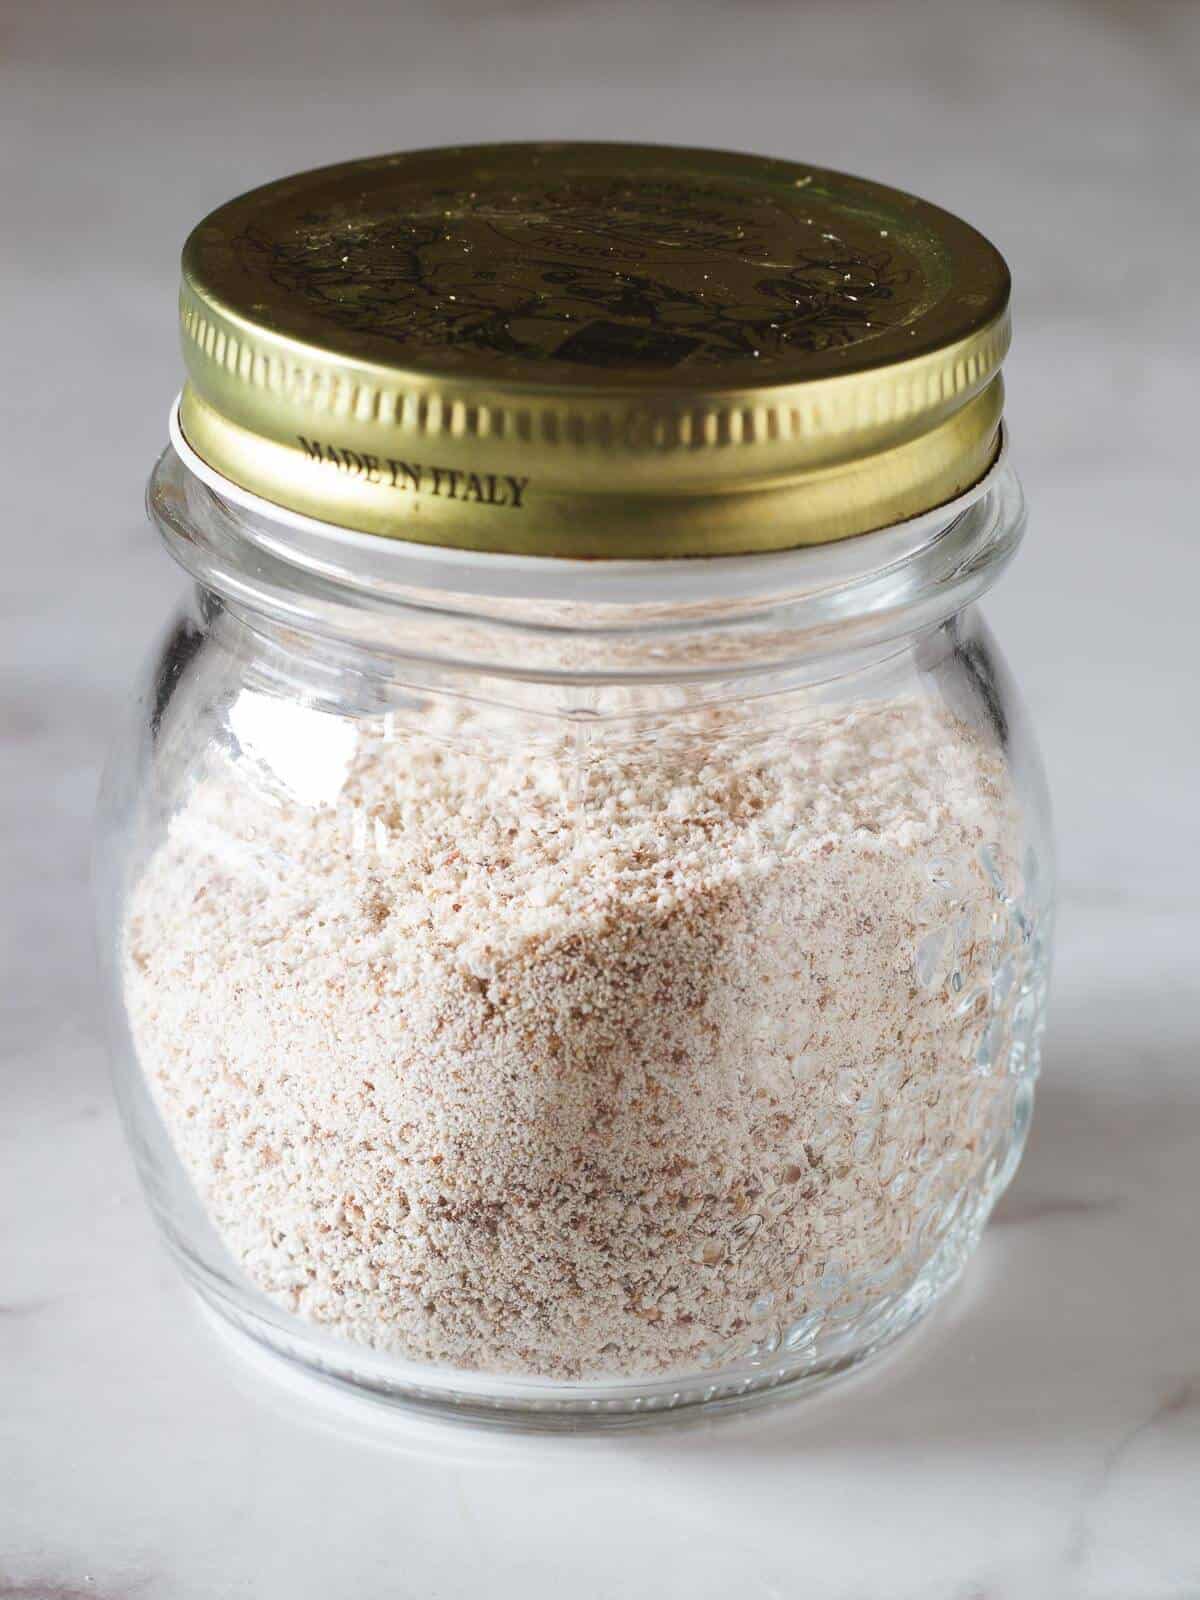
[545,1048]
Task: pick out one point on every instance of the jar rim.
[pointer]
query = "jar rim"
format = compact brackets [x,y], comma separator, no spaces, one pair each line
[314,544]
[814,609]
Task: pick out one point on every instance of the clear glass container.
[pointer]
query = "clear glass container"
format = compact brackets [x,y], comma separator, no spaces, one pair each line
[564,992]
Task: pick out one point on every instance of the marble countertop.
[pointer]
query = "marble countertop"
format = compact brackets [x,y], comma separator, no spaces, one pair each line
[1041,1439]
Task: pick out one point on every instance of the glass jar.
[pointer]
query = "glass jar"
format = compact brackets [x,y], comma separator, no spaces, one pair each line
[560,990]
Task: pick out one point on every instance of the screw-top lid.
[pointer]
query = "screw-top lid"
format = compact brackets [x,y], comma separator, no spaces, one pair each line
[593,349]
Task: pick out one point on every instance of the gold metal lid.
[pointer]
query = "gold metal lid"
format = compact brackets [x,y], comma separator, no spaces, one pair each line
[593,350]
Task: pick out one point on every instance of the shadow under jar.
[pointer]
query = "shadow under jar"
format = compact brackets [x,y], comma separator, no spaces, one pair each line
[576,883]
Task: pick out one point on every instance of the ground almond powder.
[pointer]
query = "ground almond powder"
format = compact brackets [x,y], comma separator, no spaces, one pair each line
[603,1055]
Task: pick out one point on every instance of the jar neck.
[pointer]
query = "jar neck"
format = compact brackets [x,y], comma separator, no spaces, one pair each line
[818,612]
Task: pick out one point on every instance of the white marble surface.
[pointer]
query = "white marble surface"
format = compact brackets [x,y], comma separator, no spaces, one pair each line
[1042,1440]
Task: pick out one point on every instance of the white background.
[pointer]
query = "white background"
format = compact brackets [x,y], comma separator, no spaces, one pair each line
[1042,1440]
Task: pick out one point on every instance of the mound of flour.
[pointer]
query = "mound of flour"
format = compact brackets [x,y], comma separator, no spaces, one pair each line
[583,1056]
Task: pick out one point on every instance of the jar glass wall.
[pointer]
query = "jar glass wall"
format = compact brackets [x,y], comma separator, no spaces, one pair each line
[556,991]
